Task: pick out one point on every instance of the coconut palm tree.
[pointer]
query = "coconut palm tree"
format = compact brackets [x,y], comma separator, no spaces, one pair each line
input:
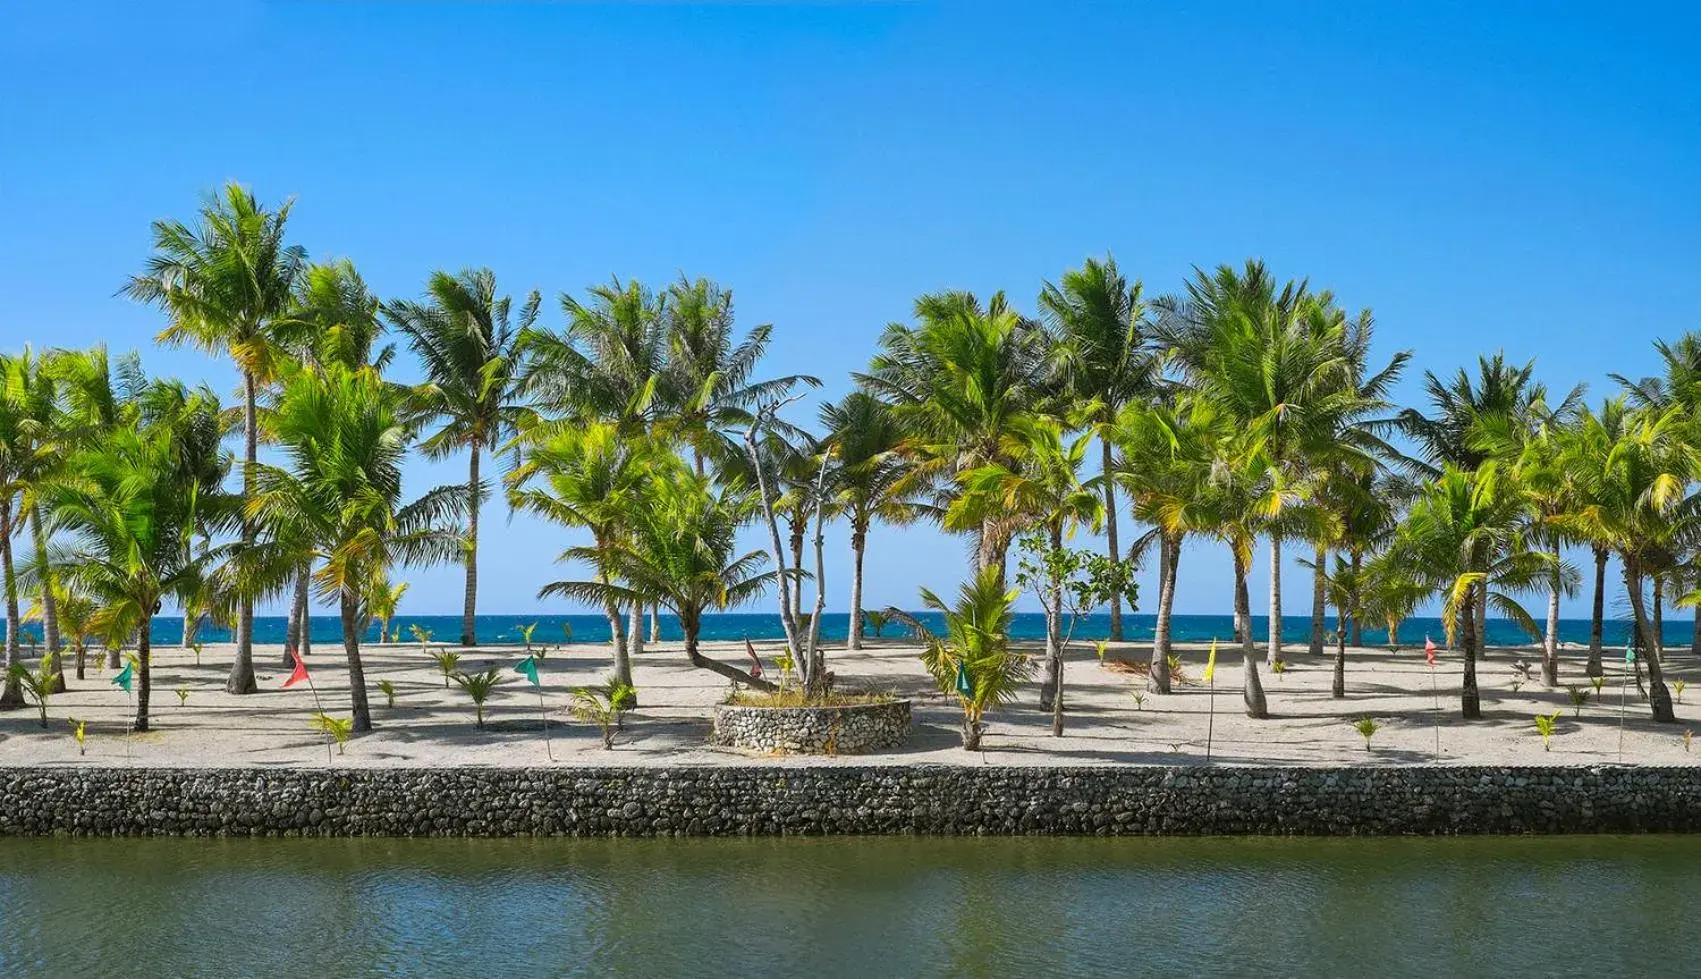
[973,660]
[1466,538]
[131,511]
[1099,318]
[870,480]
[1042,486]
[1640,502]
[225,283]
[711,387]
[467,340]
[28,453]
[340,503]
[593,477]
[681,552]
[958,382]
[77,622]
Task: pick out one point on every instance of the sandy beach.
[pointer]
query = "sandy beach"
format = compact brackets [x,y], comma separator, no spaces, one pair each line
[430,725]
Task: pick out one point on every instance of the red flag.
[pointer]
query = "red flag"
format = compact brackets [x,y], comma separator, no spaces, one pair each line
[300,673]
[1429,650]
[755,664]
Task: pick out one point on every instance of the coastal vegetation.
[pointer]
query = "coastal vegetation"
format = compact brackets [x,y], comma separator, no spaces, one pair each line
[1238,409]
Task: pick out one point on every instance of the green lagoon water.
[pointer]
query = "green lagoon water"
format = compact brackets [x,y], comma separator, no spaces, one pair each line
[1596,906]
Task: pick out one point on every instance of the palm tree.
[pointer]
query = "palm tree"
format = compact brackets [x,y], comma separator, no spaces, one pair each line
[973,660]
[592,477]
[32,444]
[1042,486]
[1099,321]
[869,480]
[958,382]
[680,552]
[131,510]
[77,621]
[1169,453]
[1639,502]
[710,373]
[1465,537]
[225,283]
[340,504]
[467,341]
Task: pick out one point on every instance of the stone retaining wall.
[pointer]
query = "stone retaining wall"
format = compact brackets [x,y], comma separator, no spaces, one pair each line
[787,800]
[848,730]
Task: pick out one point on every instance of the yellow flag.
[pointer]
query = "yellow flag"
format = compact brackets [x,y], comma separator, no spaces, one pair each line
[1210,664]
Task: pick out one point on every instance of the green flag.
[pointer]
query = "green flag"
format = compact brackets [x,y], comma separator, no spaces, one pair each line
[125,676]
[964,687]
[528,667]
[1629,653]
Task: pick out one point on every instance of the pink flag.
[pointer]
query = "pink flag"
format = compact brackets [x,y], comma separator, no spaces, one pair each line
[755,664]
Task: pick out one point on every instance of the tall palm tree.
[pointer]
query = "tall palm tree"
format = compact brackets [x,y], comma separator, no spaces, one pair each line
[27,453]
[592,477]
[131,510]
[224,283]
[467,341]
[1169,457]
[340,502]
[682,553]
[1041,485]
[711,384]
[959,381]
[870,480]
[1640,501]
[1099,318]
[1465,537]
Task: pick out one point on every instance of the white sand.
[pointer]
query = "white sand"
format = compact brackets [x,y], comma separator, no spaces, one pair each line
[433,726]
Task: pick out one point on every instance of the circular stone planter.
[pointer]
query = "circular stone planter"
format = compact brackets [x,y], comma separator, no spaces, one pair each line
[852,729]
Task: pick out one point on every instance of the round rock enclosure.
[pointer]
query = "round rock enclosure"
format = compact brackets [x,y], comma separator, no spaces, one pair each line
[842,730]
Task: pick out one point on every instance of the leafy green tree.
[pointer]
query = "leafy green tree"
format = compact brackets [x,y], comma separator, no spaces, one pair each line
[973,660]
[29,453]
[340,503]
[467,340]
[1099,318]
[225,283]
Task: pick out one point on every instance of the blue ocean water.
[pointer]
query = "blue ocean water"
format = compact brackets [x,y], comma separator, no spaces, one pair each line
[505,629]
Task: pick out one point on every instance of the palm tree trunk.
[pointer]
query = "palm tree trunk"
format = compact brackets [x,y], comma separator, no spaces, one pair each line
[49,601]
[1109,465]
[1275,637]
[1320,603]
[301,614]
[859,544]
[798,527]
[1659,644]
[1482,622]
[690,625]
[622,661]
[1252,691]
[469,606]
[655,623]
[241,679]
[1053,632]
[1695,635]
[12,696]
[1358,627]
[1550,641]
[356,672]
[1597,616]
[1169,553]
[144,671]
[1470,699]
[1338,689]
[1659,698]
[635,630]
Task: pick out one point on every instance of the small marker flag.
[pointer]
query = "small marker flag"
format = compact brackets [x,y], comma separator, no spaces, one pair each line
[125,676]
[1629,653]
[755,661]
[1211,664]
[964,687]
[300,672]
[1429,650]
[528,669]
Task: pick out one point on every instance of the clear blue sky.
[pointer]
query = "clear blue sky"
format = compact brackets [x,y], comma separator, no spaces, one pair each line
[1517,176]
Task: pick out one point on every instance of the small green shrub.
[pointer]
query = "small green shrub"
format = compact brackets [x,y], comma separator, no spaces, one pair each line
[182,695]
[1100,647]
[526,636]
[421,635]
[339,728]
[1139,699]
[447,660]
[1687,735]
[388,689]
[478,686]
[1278,666]
[1599,682]
[1545,725]
[1579,697]
[1677,688]
[79,730]
[197,646]
[1367,727]
[37,683]
[603,706]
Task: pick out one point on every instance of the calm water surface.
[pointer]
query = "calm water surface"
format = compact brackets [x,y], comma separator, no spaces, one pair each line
[1597,906]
